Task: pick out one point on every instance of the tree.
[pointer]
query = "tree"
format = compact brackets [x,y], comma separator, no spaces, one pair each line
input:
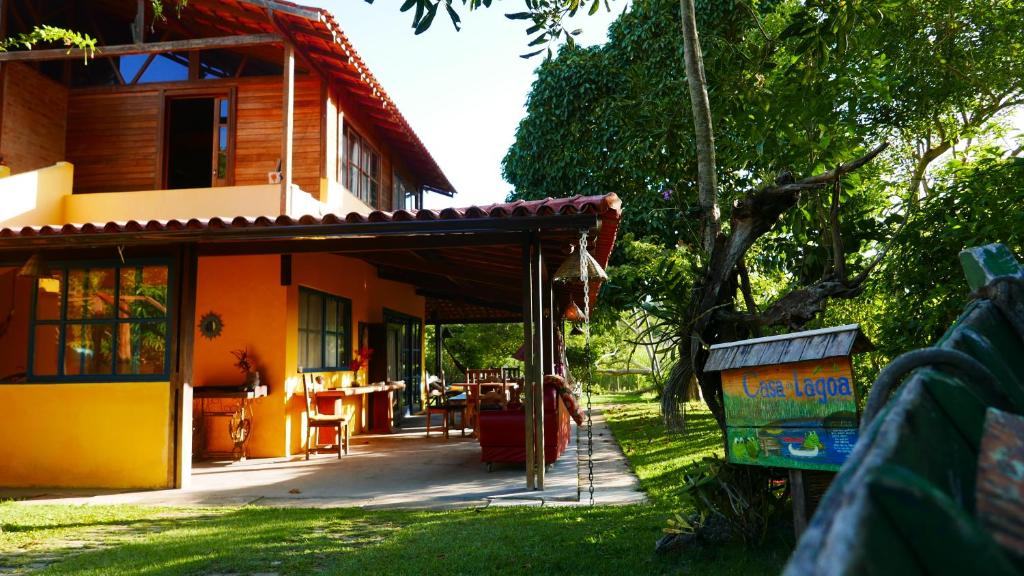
[797,85]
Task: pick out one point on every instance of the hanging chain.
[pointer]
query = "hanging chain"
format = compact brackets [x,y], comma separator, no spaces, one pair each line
[585,278]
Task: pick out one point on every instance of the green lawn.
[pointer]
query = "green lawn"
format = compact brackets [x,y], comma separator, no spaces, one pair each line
[154,541]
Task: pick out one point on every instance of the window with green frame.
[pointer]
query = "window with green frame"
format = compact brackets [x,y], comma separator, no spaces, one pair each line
[102,321]
[325,334]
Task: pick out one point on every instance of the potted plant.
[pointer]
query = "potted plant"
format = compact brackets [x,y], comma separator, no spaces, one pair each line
[361,359]
[247,366]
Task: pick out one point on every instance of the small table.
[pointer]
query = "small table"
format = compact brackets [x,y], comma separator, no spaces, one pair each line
[381,417]
[240,427]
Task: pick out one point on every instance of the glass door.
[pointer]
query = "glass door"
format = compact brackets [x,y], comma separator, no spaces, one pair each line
[405,355]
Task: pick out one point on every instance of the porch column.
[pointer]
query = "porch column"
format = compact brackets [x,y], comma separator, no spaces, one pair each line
[288,125]
[529,356]
[182,345]
[541,360]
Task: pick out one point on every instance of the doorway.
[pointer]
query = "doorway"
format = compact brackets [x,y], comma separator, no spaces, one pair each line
[405,356]
[198,142]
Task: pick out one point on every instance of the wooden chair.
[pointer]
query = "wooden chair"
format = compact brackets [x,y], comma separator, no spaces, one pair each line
[477,375]
[315,420]
[440,402]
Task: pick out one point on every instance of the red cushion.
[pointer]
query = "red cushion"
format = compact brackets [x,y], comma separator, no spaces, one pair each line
[502,434]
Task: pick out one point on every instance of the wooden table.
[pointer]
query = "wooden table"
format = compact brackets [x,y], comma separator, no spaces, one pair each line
[241,424]
[380,413]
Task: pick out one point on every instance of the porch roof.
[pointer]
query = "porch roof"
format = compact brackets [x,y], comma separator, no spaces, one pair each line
[465,261]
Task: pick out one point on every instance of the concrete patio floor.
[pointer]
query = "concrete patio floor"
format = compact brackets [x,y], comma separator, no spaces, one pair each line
[401,470]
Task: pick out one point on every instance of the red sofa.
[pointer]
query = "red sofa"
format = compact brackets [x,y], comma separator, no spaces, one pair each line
[502,433]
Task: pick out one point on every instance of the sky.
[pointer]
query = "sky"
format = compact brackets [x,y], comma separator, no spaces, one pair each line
[463,93]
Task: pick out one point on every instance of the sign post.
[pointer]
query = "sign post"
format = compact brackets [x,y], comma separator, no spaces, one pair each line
[791,402]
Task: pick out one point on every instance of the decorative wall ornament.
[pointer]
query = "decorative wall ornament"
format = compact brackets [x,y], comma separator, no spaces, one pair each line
[211,325]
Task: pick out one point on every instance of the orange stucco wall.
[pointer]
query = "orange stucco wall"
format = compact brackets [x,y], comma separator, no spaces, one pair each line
[262,315]
[246,292]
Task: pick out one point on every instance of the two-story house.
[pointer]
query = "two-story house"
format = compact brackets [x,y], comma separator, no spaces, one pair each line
[228,177]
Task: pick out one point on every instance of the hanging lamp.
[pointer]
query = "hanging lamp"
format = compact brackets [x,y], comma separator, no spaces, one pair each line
[572,268]
[573,313]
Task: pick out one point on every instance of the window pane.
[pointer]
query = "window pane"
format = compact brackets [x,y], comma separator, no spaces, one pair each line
[303,310]
[316,310]
[87,349]
[374,166]
[91,293]
[143,292]
[332,351]
[44,355]
[141,348]
[172,67]
[332,315]
[48,297]
[314,355]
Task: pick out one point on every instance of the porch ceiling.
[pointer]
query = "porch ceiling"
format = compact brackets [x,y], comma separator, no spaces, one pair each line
[466,262]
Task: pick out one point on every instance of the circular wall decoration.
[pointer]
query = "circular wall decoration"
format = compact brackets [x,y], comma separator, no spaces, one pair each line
[211,325]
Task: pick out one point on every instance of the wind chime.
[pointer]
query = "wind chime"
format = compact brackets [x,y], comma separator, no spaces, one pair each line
[581,267]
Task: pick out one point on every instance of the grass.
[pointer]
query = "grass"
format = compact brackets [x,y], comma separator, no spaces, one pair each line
[87,540]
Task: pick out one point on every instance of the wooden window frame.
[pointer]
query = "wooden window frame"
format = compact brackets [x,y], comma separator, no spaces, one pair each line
[116,320]
[347,163]
[344,338]
[215,92]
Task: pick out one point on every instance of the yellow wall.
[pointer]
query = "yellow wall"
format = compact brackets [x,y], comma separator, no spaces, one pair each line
[35,198]
[85,435]
[226,201]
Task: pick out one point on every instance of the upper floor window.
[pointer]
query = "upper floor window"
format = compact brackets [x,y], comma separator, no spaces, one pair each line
[325,337]
[405,196]
[360,167]
[105,321]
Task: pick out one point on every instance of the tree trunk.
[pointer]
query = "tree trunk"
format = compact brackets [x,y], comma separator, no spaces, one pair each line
[699,104]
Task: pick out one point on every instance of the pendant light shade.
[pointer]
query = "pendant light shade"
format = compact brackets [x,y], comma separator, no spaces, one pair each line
[573,313]
[569,271]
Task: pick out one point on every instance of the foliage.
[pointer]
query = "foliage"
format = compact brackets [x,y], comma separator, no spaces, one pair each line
[544,18]
[243,360]
[474,346]
[745,499]
[46,34]
[920,290]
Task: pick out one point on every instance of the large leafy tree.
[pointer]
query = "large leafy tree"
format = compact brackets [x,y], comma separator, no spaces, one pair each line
[796,87]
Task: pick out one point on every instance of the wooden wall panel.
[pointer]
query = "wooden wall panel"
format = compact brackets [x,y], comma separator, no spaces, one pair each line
[35,111]
[112,140]
[258,136]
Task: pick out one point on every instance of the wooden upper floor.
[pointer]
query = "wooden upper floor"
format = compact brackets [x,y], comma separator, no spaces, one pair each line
[248,96]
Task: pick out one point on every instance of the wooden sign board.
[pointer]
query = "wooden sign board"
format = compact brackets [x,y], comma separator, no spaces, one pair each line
[799,415]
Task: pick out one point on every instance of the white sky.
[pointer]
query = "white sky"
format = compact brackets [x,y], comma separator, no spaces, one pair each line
[463,92]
